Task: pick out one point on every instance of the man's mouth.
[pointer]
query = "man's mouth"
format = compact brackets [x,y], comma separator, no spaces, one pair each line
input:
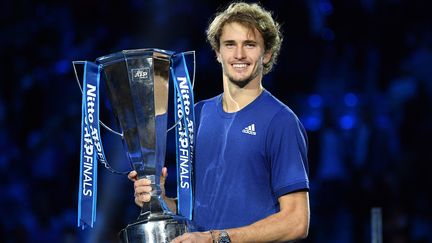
[239,65]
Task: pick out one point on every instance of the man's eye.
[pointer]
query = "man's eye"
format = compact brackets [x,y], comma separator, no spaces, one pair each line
[229,45]
[250,45]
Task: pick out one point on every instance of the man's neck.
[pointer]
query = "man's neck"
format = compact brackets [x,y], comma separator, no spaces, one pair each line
[235,98]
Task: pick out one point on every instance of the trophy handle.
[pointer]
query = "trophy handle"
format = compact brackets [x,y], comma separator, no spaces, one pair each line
[80,87]
[193,83]
[194,65]
[105,163]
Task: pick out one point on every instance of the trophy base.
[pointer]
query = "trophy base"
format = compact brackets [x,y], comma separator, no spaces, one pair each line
[160,229]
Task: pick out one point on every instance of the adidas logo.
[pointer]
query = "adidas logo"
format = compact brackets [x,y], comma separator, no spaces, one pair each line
[249,129]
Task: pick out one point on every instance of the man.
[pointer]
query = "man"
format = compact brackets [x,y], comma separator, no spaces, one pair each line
[251,182]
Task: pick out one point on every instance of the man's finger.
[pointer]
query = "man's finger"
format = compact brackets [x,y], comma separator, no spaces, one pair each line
[164,172]
[139,202]
[142,182]
[132,175]
[164,175]
[143,189]
[145,197]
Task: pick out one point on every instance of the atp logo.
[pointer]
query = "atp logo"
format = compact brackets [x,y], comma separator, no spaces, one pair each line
[140,73]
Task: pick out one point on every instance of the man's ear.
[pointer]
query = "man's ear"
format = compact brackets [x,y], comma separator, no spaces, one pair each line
[267,57]
[218,58]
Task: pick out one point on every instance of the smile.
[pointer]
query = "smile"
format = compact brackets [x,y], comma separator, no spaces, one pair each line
[239,65]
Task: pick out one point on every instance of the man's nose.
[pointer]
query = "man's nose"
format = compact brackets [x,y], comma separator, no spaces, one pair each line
[239,53]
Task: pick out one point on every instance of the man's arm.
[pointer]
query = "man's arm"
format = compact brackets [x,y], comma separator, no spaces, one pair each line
[290,223]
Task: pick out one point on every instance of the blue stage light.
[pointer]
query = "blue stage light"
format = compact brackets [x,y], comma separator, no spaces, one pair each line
[315,100]
[347,122]
[351,99]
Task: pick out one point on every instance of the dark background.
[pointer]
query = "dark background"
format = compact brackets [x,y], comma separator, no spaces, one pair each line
[358,74]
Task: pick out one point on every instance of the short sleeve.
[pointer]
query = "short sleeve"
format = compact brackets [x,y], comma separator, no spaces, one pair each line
[286,146]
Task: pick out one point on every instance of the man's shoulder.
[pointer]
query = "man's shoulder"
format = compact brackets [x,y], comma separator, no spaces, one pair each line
[200,104]
[277,106]
[209,100]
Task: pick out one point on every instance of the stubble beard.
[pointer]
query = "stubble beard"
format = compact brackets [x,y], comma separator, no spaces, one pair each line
[241,83]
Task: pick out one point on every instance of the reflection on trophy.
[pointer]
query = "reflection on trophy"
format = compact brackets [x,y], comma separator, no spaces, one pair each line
[137,83]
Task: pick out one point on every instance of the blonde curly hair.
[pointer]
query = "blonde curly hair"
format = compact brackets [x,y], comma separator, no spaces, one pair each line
[252,16]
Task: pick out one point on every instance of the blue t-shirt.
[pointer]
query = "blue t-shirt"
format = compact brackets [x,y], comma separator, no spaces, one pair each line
[245,161]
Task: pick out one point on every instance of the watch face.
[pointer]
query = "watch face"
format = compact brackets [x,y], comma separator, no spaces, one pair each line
[224,237]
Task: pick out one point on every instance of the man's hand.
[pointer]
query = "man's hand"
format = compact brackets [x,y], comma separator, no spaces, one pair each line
[142,187]
[195,237]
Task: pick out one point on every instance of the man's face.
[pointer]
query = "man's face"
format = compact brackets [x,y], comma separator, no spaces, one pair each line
[241,54]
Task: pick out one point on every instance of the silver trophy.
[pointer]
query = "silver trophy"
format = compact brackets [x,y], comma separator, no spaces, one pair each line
[137,83]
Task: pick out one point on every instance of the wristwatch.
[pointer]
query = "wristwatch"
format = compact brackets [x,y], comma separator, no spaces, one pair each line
[224,237]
